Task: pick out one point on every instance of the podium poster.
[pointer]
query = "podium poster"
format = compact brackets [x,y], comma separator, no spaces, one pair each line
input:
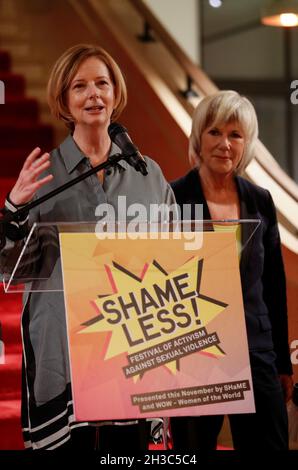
[154,329]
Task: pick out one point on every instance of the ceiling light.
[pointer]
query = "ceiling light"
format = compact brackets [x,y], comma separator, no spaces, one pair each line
[280,13]
[215,3]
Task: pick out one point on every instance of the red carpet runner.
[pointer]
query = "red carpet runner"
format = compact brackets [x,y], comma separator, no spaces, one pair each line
[20,132]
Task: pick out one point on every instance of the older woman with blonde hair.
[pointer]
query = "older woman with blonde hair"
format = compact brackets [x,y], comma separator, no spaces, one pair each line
[222,143]
[87,92]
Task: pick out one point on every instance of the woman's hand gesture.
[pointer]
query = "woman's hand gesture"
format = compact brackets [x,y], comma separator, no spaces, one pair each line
[28,183]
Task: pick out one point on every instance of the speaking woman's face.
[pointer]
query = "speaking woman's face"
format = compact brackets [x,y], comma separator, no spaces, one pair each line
[90,97]
[222,148]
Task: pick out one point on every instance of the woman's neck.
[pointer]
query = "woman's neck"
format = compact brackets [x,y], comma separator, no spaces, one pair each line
[215,182]
[94,143]
[221,195]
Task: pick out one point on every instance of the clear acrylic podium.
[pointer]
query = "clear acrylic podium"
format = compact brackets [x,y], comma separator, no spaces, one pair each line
[37,268]
[151,313]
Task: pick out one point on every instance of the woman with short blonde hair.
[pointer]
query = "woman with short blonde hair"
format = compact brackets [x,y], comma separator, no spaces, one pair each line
[222,143]
[224,106]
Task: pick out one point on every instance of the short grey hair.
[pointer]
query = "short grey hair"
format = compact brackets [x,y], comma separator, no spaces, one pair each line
[221,108]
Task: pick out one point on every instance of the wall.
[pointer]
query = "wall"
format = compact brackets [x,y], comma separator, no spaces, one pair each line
[182,19]
[237,50]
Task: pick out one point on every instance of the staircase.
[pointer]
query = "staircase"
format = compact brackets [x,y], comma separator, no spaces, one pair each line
[20,131]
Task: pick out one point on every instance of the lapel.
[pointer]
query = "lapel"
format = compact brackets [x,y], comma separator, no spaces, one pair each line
[195,185]
[248,210]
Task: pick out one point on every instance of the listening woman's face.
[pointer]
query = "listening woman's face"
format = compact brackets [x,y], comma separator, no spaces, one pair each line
[90,97]
[222,148]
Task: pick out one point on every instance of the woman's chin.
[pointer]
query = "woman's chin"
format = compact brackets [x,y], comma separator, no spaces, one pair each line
[223,170]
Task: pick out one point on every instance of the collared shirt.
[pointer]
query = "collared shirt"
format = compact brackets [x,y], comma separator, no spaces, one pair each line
[69,162]
[47,415]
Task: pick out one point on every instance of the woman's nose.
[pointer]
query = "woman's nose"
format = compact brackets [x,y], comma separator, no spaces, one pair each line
[225,142]
[93,90]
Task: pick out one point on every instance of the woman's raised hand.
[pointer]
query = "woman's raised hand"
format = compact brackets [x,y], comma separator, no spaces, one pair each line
[28,183]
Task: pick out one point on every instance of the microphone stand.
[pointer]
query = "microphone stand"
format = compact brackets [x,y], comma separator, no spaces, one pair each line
[7,217]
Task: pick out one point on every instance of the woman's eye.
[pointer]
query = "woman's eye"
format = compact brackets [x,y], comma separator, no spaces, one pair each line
[214,132]
[102,83]
[236,135]
[78,85]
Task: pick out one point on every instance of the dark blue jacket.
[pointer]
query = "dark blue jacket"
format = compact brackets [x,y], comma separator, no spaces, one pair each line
[261,266]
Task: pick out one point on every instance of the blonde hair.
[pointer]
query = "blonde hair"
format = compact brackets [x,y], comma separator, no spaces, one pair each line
[221,108]
[66,68]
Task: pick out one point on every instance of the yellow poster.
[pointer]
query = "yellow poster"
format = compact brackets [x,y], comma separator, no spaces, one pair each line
[154,329]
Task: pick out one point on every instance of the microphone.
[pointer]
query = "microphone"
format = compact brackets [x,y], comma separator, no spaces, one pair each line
[118,134]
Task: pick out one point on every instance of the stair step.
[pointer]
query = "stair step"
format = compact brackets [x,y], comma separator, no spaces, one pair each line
[34,72]
[11,395]
[14,348]
[19,111]
[11,336]
[8,9]
[5,61]
[10,312]
[11,434]
[8,28]
[10,305]
[13,363]
[5,186]
[14,85]
[10,316]
[14,159]
[39,92]
[9,299]
[10,374]
[22,136]
[10,31]
[9,409]
[10,424]
[17,50]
